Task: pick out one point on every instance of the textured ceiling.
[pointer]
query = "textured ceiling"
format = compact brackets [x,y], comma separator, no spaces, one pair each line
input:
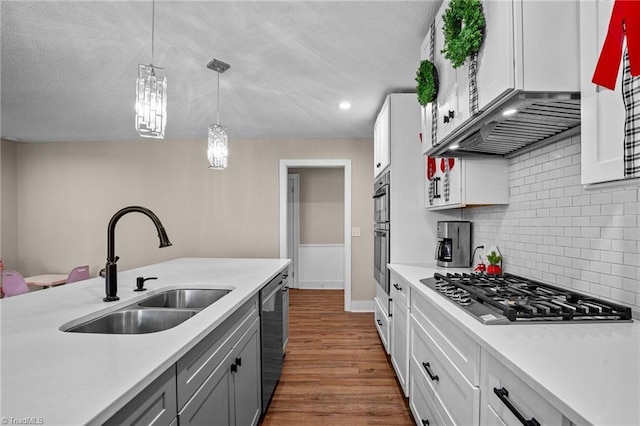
[68,68]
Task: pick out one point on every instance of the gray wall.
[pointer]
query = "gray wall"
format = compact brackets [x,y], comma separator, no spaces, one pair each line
[67,192]
[556,231]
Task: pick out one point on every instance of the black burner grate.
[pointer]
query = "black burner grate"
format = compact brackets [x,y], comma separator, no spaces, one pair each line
[523,299]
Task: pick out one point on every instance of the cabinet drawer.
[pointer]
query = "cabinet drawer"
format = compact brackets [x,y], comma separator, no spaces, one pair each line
[523,399]
[461,349]
[423,407]
[400,289]
[382,324]
[445,382]
[154,406]
[194,367]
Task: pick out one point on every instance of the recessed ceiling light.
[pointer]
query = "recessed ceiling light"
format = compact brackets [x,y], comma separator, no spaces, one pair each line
[345,105]
[509,111]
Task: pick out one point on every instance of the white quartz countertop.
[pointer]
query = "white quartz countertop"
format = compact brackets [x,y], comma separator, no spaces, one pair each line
[590,372]
[58,378]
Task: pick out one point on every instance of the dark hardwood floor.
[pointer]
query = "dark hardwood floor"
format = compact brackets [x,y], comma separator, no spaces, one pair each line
[335,370]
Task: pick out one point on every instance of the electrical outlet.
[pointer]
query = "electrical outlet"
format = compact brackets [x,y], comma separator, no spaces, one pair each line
[355,232]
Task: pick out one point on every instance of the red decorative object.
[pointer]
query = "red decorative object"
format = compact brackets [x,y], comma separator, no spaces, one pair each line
[431,167]
[480,267]
[625,20]
[443,164]
[494,270]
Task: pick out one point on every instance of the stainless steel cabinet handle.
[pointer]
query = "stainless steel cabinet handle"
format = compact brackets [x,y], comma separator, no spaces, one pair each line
[503,395]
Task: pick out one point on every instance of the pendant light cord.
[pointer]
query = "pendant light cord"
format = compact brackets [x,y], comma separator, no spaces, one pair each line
[218,108]
[153,21]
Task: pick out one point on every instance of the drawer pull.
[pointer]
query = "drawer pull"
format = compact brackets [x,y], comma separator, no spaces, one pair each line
[379,322]
[425,422]
[431,375]
[503,395]
[397,287]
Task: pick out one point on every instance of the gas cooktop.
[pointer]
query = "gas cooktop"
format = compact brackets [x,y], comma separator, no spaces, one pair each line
[508,299]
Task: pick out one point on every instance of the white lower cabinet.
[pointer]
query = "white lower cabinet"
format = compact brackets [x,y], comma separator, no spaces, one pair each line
[446,385]
[452,381]
[382,324]
[399,330]
[447,389]
[507,400]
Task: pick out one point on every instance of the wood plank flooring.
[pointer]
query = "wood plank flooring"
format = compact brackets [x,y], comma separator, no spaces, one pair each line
[335,370]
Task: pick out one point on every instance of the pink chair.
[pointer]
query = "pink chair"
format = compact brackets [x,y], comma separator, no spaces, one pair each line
[78,273]
[13,283]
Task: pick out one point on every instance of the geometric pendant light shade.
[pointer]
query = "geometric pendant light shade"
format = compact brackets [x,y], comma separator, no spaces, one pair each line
[151,102]
[151,95]
[217,138]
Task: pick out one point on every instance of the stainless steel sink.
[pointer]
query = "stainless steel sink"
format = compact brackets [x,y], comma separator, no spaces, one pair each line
[158,312]
[134,321]
[185,298]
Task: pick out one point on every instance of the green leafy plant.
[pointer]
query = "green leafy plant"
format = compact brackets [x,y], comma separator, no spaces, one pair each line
[493,258]
[464,26]
[427,78]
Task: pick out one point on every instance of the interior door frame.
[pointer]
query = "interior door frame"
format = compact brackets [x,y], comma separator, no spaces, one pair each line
[283,186]
[294,203]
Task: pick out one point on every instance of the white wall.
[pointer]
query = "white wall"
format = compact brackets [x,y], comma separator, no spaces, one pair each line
[67,192]
[556,231]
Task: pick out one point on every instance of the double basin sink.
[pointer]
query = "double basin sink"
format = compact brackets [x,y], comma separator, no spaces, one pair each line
[158,312]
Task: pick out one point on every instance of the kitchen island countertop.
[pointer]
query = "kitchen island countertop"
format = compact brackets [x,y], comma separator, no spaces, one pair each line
[53,377]
[588,371]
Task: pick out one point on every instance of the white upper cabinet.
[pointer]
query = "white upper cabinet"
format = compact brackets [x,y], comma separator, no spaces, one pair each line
[469,181]
[447,101]
[529,46]
[381,140]
[602,110]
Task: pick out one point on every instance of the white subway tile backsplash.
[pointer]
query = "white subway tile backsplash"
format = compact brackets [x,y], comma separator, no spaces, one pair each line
[555,231]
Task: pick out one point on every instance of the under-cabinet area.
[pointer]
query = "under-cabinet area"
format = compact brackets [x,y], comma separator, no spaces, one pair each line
[461,371]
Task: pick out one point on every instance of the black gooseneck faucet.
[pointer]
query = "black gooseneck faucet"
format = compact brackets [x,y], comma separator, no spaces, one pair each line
[111,269]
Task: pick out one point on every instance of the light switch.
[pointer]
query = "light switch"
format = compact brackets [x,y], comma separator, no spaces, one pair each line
[355,232]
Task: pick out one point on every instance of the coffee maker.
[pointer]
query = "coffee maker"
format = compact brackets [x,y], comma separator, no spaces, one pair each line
[454,244]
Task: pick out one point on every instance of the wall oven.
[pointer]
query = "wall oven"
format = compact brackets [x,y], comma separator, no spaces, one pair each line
[381,199]
[381,255]
[381,230]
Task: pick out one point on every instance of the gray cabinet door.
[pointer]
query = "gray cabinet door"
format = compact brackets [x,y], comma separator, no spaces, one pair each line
[246,380]
[211,404]
[154,406]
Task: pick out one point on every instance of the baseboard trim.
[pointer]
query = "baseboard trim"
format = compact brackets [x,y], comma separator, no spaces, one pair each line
[321,285]
[362,306]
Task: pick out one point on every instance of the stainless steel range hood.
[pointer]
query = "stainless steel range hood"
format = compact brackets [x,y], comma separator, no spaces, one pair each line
[540,118]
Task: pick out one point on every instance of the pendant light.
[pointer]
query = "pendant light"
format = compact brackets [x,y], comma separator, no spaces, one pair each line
[151,95]
[217,139]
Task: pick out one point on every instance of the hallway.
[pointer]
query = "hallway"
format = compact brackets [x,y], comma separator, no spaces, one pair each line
[335,370]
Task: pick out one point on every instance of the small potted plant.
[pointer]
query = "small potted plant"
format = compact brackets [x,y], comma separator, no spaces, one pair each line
[494,259]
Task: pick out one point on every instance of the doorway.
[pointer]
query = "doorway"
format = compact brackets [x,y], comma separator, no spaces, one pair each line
[345,165]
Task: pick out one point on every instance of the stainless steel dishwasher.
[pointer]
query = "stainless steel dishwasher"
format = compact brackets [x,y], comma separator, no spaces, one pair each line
[271,333]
